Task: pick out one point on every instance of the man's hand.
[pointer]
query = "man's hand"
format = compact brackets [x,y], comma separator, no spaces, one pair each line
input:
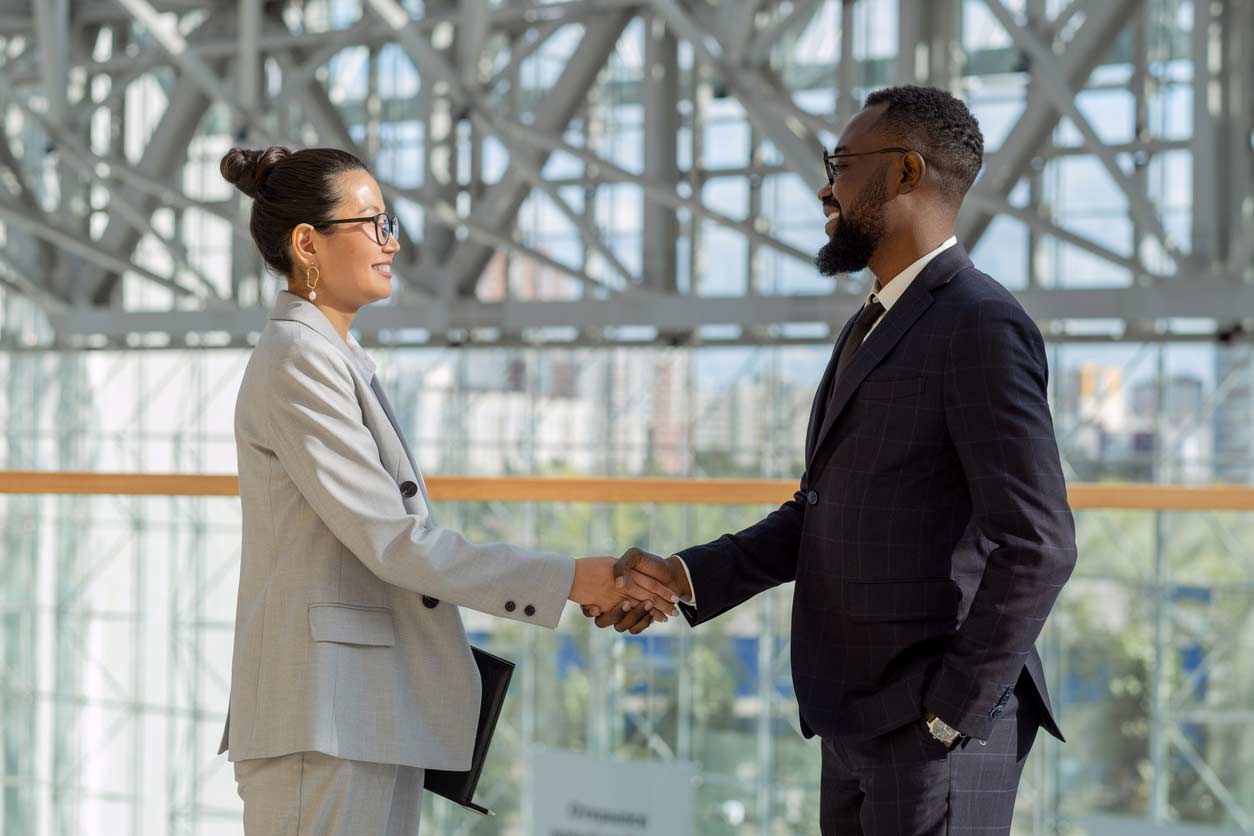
[638,568]
[597,588]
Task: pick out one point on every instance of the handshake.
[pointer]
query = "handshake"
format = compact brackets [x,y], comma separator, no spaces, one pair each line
[632,592]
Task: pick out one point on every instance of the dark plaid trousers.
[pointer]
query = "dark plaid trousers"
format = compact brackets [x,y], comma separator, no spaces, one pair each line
[905,783]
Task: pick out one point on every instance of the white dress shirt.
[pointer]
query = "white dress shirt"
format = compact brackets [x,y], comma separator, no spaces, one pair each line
[887,293]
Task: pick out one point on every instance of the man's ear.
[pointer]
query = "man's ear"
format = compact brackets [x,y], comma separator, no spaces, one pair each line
[303,247]
[913,170]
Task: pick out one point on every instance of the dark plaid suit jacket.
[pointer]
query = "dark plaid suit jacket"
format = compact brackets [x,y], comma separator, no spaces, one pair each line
[930,535]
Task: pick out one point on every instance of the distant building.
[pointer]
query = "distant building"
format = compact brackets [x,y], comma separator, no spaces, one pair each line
[1181,438]
[1234,415]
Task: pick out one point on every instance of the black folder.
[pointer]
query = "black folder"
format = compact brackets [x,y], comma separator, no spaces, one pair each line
[459,787]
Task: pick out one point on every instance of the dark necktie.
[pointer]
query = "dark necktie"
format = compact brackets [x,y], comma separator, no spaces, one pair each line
[870,314]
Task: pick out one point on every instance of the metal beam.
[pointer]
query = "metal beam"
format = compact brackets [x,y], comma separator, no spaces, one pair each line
[432,64]
[738,20]
[789,23]
[1240,127]
[762,105]
[655,192]
[464,82]
[15,279]
[1212,177]
[581,221]
[441,212]
[929,43]
[79,157]
[911,43]
[165,152]
[250,80]
[847,68]
[172,42]
[659,94]
[520,52]
[52,23]
[440,155]
[42,227]
[1042,226]
[472,32]
[500,204]
[512,17]
[679,313]
[1062,95]
[46,256]
[482,235]
[328,123]
[1003,169]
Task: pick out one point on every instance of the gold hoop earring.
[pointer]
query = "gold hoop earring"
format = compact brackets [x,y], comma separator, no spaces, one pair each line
[312,283]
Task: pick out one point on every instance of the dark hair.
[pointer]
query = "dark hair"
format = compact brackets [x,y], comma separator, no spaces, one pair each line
[937,125]
[288,188]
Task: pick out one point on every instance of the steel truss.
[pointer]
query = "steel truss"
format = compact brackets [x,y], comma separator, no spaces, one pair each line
[107,231]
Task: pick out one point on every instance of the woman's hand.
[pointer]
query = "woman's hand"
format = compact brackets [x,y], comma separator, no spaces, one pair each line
[594,589]
[650,571]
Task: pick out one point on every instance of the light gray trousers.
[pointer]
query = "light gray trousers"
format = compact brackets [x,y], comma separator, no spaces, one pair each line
[312,794]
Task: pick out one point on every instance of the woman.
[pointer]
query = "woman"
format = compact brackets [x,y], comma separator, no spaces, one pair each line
[352,673]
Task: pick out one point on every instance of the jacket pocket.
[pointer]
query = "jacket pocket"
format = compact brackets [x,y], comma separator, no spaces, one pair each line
[923,599]
[351,624]
[891,390]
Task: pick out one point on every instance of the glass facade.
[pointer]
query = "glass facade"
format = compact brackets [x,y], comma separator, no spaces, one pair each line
[118,610]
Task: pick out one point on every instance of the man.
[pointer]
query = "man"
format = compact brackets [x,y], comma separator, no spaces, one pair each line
[930,535]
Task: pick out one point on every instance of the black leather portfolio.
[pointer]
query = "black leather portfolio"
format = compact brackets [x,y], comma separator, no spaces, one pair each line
[460,786]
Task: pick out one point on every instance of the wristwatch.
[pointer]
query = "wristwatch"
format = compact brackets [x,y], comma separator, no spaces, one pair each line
[941,730]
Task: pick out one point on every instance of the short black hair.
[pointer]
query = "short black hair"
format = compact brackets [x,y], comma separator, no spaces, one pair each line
[939,126]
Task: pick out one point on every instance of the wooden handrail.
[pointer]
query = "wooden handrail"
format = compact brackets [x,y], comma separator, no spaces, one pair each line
[630,491]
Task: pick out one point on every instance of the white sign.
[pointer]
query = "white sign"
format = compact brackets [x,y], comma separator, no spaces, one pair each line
[573,794]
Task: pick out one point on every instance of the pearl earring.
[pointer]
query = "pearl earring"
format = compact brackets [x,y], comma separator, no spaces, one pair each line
[312,283]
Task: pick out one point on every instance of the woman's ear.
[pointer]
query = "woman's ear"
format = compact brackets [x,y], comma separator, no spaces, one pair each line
[913,170]
[303,247]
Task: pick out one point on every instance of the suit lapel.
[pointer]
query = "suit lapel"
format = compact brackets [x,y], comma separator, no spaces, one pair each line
[289,306]
[824,393]
[895,324]
[387,410]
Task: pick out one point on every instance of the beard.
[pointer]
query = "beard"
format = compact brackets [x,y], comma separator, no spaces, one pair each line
[858,232]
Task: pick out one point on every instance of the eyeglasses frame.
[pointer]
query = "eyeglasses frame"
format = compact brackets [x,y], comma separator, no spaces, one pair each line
[392,226]
[830,166]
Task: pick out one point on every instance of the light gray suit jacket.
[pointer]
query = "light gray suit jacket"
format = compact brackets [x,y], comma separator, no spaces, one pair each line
[341,645]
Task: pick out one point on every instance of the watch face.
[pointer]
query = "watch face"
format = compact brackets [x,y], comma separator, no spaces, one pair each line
[941,731]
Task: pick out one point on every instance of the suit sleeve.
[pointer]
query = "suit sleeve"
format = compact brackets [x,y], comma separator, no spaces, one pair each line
[327,450]
[997,413]
[735,567]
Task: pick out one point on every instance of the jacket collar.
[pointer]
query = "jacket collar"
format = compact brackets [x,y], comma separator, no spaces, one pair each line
[292,308]
[895,324]
[889,294]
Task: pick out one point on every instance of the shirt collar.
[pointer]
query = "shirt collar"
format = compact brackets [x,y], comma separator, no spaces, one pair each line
[899,284]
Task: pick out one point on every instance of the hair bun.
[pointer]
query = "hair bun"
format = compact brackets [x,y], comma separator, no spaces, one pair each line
[246,169]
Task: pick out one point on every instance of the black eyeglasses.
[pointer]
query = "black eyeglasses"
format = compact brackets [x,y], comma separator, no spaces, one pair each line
[386,227]
[829,160]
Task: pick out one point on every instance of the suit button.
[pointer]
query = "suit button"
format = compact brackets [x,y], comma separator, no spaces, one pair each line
[408,489]
[812,497]
[510,606]
[529,610]
[429,602]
